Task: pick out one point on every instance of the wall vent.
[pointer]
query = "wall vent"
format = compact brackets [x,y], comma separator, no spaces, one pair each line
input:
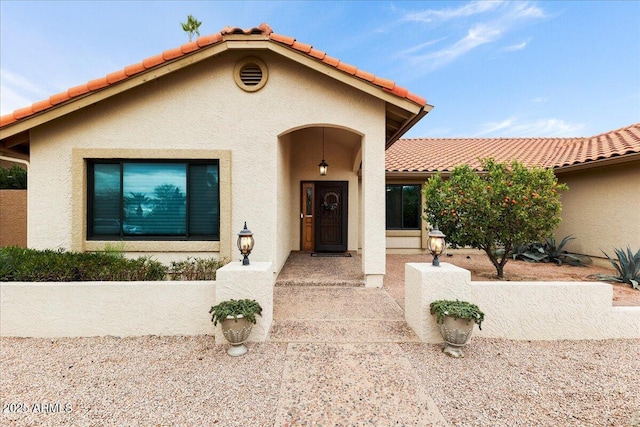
[250,74]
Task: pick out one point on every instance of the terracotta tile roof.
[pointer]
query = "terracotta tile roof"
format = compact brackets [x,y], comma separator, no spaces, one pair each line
[443,154]
[606,145]
[200,43]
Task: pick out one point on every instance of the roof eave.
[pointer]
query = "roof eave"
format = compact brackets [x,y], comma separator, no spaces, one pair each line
[609,161]
[228,42]
[408,124]
[344,77]
[79,102]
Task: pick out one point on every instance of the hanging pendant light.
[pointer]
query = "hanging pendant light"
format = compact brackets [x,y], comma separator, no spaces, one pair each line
[323,165]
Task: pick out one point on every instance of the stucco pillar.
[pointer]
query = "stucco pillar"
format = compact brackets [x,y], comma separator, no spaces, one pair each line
[373,211]
[253,281]
[425,283]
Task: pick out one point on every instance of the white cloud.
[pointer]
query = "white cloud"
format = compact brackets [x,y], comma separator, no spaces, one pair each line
[493,127]
[18,92]
[491,21]
[476,36]
[516,47]
[539,99]
[421,46]
[469,9]
[513,127]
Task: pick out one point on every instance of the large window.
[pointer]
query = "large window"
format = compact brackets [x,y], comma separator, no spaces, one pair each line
[403,207]
[146,200]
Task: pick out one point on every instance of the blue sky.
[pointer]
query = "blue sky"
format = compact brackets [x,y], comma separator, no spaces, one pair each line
[491,69]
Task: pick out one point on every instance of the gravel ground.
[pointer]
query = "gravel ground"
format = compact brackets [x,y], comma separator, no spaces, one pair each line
[143,381]
[501,383]
[188,381]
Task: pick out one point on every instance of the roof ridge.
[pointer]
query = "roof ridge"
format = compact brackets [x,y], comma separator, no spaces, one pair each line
[158,60]
[512,138]
[505,138]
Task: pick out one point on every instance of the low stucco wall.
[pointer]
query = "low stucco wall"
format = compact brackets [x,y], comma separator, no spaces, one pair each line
[518,310]
[84,309]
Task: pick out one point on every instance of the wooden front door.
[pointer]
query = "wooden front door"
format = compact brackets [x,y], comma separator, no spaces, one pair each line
[323,216]
[331,209]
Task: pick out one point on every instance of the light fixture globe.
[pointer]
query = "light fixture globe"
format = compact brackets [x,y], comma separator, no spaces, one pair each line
[245,243]
[323,167]
[436,244]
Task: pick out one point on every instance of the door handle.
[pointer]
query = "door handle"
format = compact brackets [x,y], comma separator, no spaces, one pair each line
[301,215]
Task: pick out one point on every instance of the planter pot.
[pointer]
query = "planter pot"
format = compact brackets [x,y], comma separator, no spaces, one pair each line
[456,333]
[236,331]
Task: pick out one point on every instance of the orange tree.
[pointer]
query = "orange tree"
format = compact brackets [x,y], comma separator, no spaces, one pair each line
[496,208]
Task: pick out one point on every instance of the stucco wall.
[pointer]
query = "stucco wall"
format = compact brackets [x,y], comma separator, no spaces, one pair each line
[84,309]
[201,108]
[13,218]
[518,310]
[601,209]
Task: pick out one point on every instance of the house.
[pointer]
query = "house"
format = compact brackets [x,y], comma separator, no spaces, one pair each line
[175,153]
[601,208]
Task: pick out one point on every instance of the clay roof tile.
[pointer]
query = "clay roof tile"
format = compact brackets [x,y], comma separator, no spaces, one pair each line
[385,83]
[282,39]
[59,98]
[189,47]
[347,68]
[115,77]
[130,70]
[318,54]
[78,90]
[97,83]
[7,119]
[365,75]
[334,62]
[23,112]
[174,53]
[400,91]
[207,40]
[40,106]
[153,61]
[302,47]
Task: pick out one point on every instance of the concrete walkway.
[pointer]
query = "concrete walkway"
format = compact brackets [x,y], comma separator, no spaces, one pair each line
[344,361]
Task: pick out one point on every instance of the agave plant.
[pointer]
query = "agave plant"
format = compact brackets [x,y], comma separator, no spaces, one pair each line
[550,252]
[627,265]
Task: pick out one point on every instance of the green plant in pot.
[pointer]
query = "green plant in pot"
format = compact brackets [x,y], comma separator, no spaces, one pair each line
[455,320]
[236,317]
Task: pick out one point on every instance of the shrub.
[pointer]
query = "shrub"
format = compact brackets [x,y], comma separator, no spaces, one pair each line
[196,268]
[30,265]
[627,265]
[13,178]
[495,209]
